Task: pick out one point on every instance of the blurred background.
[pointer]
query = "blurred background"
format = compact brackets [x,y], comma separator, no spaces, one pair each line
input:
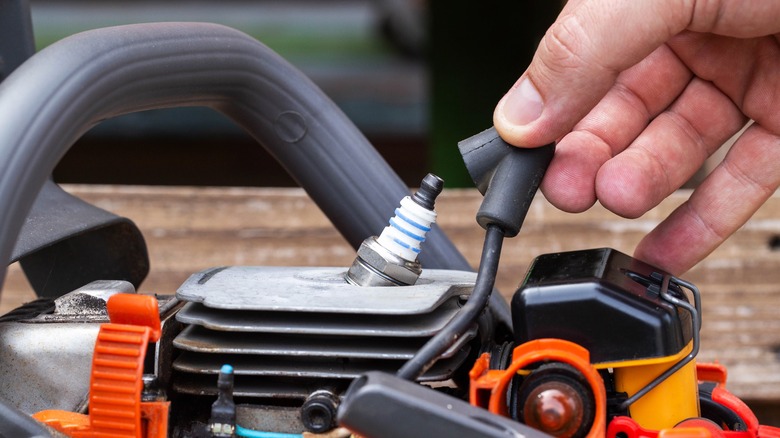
[415,76]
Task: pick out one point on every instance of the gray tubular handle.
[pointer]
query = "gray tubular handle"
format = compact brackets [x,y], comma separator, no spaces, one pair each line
[67,88]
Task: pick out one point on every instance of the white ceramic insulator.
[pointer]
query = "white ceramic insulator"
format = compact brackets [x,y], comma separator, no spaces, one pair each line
[407,229]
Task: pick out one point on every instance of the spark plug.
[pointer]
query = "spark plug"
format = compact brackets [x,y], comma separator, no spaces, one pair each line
[391,258]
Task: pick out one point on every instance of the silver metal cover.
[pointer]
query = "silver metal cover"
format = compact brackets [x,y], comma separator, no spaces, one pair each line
[319,290]
[290,331]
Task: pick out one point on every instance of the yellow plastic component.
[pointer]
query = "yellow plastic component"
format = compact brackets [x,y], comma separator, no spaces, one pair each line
[641,362]
[669,403]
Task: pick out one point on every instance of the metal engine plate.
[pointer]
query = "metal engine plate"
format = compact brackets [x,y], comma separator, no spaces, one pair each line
[289,331]
[293,289]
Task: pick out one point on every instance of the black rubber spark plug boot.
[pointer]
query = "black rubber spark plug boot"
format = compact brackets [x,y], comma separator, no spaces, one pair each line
[507,176]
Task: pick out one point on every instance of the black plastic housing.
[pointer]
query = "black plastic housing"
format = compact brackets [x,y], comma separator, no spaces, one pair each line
[603,300]
[380,405]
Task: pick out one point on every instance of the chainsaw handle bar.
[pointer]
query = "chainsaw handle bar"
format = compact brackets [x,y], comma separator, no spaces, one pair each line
[61,92]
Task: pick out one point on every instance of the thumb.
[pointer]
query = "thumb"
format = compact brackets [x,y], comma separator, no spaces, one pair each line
[578,61]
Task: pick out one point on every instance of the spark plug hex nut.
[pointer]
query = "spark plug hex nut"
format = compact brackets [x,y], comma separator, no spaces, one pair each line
[376,266]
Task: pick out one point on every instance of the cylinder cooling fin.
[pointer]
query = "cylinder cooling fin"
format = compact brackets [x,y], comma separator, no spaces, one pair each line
[289,332]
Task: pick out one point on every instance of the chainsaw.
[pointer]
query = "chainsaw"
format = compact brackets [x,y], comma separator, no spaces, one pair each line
[407,341]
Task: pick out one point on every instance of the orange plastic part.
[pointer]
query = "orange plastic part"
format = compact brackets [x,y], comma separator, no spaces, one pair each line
[627,427]
[69,423]
[711,372]
[698,427]
[132,309]
[715,372]
[689,432]
[768,432]
[488,387]
[115,407]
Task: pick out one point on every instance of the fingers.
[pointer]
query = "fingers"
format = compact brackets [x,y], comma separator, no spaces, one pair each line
[669,151]
[745,70]
[736,18]
[640,94]
[578,61]
[719,206]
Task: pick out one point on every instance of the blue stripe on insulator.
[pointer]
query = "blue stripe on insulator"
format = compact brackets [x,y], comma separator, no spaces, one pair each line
[402,243]
[408,233]
[411,222]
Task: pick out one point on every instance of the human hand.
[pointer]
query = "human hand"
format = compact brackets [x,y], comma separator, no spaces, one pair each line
[638,94]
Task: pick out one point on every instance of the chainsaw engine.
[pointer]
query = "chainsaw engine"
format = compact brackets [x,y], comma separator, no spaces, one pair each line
[292,338]
[296,337]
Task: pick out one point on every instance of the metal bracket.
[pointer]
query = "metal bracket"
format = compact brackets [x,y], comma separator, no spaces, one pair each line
[695,312]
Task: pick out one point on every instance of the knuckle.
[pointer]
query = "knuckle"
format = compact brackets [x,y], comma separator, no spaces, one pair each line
[568,51]
[565,44]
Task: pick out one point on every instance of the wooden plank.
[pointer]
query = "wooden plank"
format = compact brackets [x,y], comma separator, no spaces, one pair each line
[189,229]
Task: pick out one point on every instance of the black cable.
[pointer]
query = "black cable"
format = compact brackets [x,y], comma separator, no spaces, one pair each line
[454,330]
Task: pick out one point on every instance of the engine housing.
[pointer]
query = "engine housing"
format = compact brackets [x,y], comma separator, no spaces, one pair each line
[293,333]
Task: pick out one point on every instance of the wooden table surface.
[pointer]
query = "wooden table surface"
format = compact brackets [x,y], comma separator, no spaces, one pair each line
[189,229]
